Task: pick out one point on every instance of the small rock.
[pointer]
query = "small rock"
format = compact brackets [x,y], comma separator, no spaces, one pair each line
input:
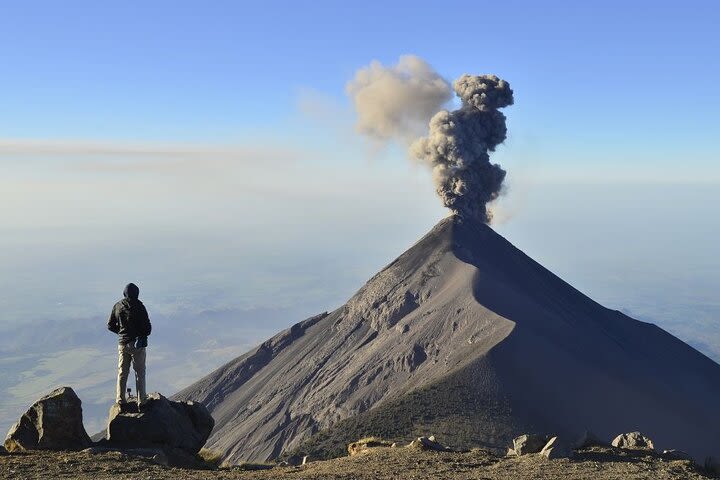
[425,443]
[283,464]
[394,445]
[556,448]
[54,422]
[306,460]
[633,441]
[529,443]
[94,450]
[676,455]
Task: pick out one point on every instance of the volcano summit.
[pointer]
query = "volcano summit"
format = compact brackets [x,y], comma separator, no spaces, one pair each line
[466,337]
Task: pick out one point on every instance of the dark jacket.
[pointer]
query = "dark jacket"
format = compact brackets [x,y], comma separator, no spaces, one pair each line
[129,319]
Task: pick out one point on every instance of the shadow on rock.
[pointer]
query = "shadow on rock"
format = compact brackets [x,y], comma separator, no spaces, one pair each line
[168,432]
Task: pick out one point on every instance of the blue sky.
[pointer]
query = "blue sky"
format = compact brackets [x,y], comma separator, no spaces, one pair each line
[638,76]
[206,151]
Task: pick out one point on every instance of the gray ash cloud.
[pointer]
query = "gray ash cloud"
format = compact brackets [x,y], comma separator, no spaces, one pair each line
[396,102]
[459,143]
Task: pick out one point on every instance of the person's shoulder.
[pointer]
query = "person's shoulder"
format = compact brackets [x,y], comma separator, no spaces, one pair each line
[135,303]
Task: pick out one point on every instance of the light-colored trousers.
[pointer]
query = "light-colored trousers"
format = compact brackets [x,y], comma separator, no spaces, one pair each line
[126,354]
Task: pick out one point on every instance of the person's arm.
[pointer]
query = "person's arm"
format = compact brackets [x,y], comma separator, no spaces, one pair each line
[147,327]
[112,323]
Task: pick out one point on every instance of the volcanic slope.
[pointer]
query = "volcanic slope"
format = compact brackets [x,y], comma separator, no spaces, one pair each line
[466,337]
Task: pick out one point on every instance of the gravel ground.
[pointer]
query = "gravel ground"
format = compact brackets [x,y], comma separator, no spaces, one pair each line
[380,463]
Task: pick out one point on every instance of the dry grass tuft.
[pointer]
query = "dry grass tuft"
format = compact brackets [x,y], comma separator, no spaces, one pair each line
[366,443]
[210,458]
[252,466]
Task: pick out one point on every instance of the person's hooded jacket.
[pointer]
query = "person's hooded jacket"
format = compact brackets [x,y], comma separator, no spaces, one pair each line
[129,318]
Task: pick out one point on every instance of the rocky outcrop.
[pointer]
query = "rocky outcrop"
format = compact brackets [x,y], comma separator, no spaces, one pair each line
[633,441]
[54,422]
[429,443]
[183,426]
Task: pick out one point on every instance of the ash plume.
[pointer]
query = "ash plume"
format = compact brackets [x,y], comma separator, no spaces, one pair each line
[459,143]
[397,102]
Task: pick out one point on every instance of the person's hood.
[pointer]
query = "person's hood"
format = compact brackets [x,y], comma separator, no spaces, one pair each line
[131,291]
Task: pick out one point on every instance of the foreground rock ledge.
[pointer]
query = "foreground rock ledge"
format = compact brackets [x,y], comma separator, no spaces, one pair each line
[596,463]
[54,422]
[162,423]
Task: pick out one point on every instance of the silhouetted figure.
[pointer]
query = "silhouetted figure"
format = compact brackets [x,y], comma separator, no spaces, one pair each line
[129,319]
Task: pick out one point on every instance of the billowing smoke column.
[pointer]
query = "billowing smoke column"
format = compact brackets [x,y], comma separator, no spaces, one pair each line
[397,102]
[459,142]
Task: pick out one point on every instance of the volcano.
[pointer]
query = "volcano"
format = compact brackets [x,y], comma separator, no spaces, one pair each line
[465,337]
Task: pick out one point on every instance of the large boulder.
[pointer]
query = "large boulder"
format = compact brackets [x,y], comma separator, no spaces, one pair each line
[633,441]
[163,423]
[54,422]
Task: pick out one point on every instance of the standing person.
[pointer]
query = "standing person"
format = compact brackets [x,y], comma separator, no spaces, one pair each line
[129,320]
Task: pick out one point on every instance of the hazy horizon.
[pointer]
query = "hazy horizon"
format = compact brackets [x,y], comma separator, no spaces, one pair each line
[229,295]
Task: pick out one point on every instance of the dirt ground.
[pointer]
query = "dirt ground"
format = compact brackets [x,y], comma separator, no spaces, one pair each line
[380,463]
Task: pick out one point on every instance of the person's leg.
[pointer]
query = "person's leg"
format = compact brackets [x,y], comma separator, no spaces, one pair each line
[139,366]
[123,372]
